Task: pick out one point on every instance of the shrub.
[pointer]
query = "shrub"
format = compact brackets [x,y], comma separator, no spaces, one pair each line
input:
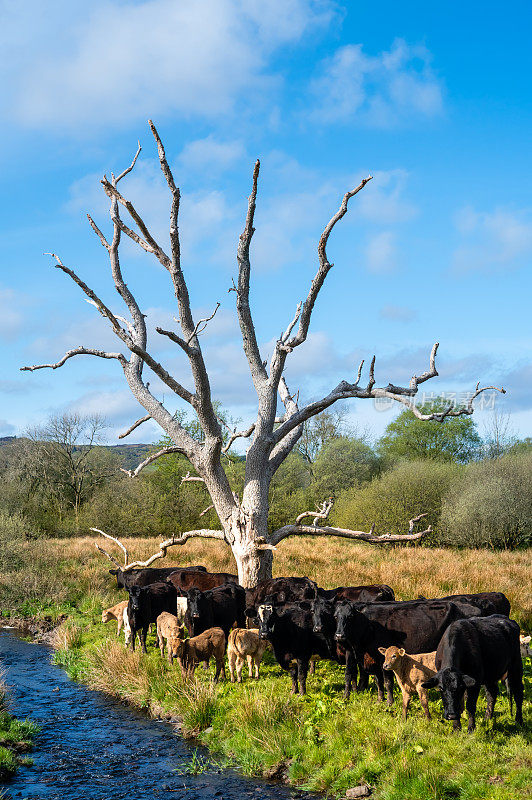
[491,506]
[409,489]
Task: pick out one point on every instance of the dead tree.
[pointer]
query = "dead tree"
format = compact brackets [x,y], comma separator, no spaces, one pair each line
[243,520]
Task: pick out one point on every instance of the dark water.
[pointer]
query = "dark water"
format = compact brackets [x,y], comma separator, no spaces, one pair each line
[92,747]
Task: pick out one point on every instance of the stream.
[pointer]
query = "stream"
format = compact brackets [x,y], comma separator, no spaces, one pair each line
[92,747]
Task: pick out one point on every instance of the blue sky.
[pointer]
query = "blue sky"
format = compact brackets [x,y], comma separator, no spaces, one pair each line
[433,100]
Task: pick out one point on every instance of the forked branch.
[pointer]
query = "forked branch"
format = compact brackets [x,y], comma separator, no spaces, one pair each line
[344,533]
[204,533]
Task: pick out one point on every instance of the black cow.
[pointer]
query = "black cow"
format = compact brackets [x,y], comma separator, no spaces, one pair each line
[279,590]
[144,606]
[474,653]
[289,628]
[147,575]
[185,579]
[324,628]
[488,602]
[373,593]
[416,625]
[221,607]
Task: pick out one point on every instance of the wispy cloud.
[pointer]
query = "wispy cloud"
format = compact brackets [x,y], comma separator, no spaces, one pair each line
[380,90]
[492,240]
[381,253]
[113,62]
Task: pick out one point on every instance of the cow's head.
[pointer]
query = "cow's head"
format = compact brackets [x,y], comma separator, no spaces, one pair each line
[452,684]
[323,621]
[267,617]
[524,643]
[392,656]
[175,644]
[136,595]
[197,608]
[346,618]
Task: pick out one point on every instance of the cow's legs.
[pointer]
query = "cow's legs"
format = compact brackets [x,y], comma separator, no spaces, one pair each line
[220,669]
[379,677]
[515,677]
[292,669]
[350,673]
[406,702]
[302,670]
[471,707]
[424,700]
[232,663]
[143,635]
[388,682]
[492,691]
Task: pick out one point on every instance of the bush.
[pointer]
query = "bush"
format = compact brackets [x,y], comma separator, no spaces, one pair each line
[390,501]
[491,506]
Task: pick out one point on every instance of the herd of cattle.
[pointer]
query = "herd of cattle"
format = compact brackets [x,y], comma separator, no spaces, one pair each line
[456,643]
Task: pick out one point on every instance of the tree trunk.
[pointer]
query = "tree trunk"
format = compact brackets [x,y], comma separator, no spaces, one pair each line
[248,534]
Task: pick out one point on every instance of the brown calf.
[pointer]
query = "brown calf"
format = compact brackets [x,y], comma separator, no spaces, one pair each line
[245,643]
[202,648]
[410,671]
[168,628]
[118,612]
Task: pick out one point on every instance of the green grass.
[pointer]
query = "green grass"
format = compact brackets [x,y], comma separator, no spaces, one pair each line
[318,741]
[321,742]
[15,738]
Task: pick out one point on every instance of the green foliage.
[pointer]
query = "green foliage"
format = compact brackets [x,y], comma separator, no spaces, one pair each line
[389,501]
[407,437]
[15,735]
[491,505]
[343,463]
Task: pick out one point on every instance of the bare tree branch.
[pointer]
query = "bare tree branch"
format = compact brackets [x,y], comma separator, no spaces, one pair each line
[77,351]
[188,478]
[323,269]
[111,191]
[116,541]
[238,435]
[202,324]
[177,339]
[128,169]
[322,512]
[150,459]
[204,533]
[402,395]
[249,338]
[135,425]
[371,538]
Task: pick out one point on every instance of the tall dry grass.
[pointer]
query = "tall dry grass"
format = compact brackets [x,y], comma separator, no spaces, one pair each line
[58,571]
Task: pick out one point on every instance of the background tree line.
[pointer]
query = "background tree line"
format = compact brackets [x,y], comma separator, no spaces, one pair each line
[60,479]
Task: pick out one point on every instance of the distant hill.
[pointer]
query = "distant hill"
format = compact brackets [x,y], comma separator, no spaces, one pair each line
[130,454]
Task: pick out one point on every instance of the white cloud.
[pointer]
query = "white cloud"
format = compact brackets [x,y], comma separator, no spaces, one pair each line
[211,155]
[113,61]
[492,240]
[377,90]
[383,198]
[6,428]
[381,253]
